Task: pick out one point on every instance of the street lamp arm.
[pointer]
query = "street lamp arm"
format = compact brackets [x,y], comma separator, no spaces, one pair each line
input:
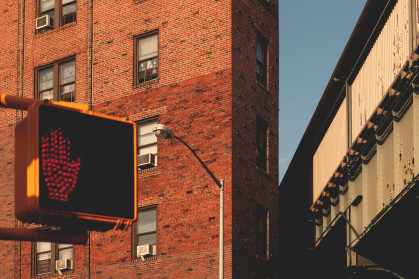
[202,162]
[163,132]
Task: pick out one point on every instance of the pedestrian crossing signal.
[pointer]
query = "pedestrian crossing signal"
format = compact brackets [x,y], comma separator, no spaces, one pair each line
[75,167]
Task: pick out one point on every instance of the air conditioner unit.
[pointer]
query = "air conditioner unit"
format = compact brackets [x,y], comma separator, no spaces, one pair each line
[146,160]
[43,22]
[144,250]
[64,264]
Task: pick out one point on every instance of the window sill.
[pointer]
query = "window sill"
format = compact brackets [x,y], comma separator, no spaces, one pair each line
[49,31]
[265,172]
[149,171]
[147,84]
[148,259]
[263,87]
[262,258]
[68,273]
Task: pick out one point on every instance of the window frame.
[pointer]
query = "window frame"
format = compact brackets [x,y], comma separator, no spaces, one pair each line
[262,137]
[56,87]
[54,257]
[262,235]
[58,21]
[135,234]
[262,78]
[136,67]
[143,122]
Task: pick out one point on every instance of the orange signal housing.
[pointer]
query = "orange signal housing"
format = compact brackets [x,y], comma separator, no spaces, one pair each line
[91,205]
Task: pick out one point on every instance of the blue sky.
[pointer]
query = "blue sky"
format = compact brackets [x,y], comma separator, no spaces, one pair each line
[312,36]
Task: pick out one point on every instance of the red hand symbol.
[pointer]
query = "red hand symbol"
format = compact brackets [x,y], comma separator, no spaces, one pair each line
[60,172]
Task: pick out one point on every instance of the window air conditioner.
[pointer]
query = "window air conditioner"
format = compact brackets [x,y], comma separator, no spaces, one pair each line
[146,160]
[43,22]
[64,264]
[146,250]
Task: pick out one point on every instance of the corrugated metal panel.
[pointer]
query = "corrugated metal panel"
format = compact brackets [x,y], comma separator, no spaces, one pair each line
[383,63]
[330,151]
[404,147]
[356,213]
[388,174]
[369,190]
[417,22]
[385,174]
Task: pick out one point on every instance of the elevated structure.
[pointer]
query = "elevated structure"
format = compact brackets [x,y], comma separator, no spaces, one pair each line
[356,200]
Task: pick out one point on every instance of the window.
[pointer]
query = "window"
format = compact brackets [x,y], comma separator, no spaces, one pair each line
[261,143]
[57,82]
[147,61]
[68,11]
[261,59]
[46,253]
[262,231]
[61,12]
[147,144]
[145,232]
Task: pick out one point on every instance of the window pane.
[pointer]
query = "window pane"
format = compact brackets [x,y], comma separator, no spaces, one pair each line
[46,95]
[261,143]
[46,79]
[149,149]
[43,247]
[261,53]
[147,139]
[261,229]
[67,1]
[43,266]
[62,246]
[51,13]
[147,239]
[47,5]
[44,256]
[146,134]
[67,88]
[65,254]
[259,68]
[68,72]
[69,9]
[151,64]
[147,47]
[147,221]
[146,128]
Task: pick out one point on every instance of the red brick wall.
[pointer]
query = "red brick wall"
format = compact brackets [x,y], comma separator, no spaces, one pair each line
[251,185]
[206,93]
[194,40]
[8,85]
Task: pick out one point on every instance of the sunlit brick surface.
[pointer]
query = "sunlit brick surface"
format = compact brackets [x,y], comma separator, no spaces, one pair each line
[206,92]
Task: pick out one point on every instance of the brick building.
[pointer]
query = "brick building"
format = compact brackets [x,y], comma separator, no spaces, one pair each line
[207,70]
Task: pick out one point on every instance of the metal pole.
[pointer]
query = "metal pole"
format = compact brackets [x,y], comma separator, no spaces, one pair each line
[221,263]
[200,160]
[13,102]
[220,184]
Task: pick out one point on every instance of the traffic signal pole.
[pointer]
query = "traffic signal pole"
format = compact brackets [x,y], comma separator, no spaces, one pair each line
[13,102]
[61,236]
[64,236]
[20,103]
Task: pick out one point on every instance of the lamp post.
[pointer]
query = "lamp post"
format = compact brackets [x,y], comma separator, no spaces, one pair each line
[163,132]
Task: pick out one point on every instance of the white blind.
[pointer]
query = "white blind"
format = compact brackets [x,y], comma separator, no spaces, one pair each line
[147,47]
